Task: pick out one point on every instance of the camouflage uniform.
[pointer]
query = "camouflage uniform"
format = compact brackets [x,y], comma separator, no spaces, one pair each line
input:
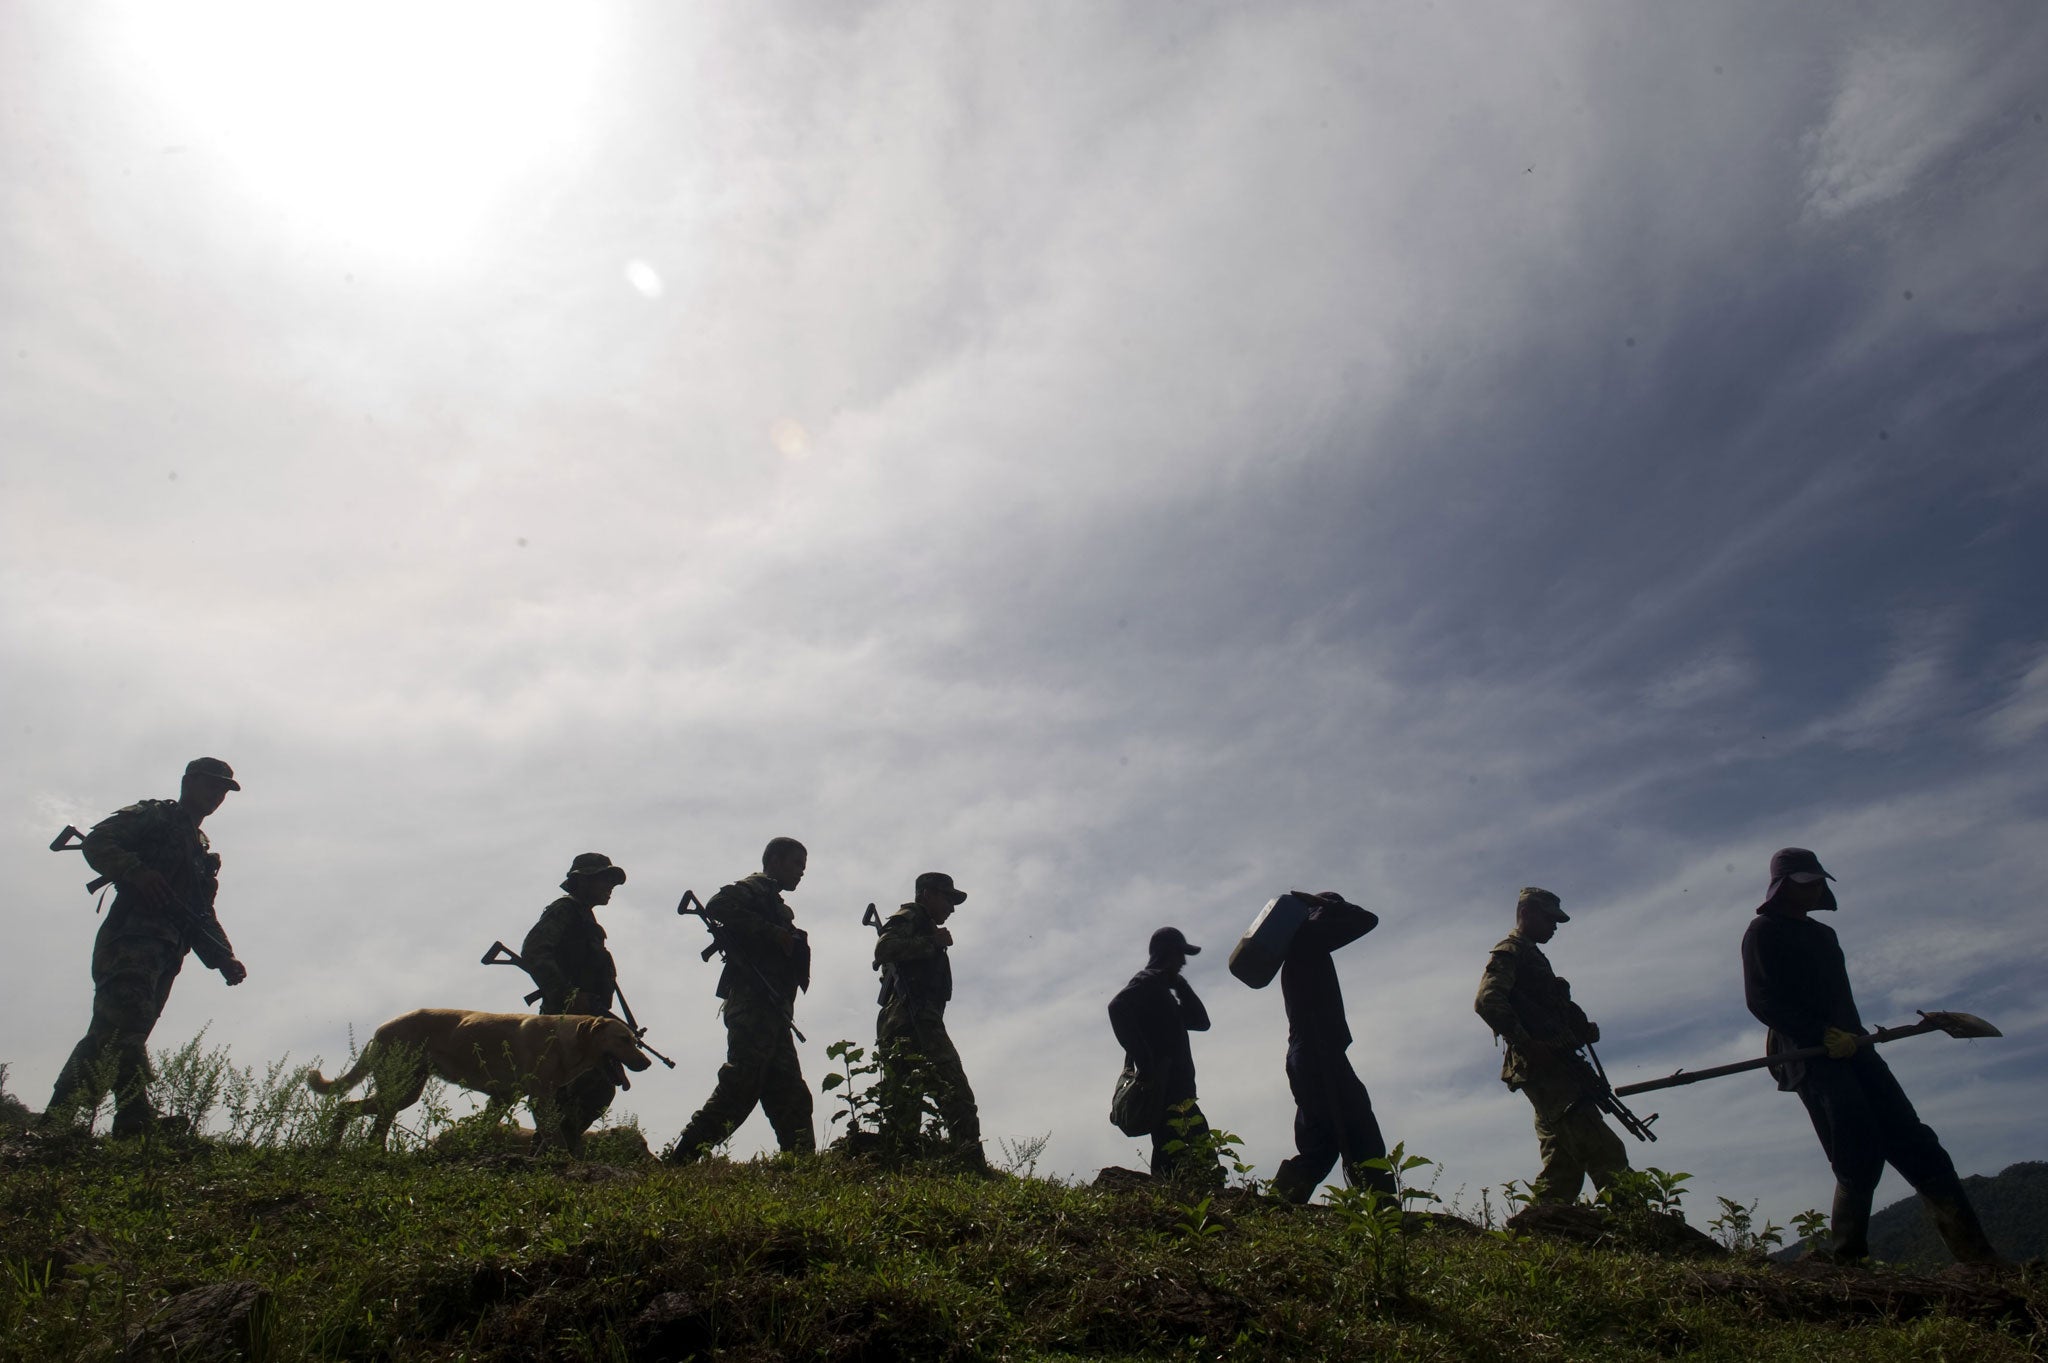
[1531,1009]
[918,1057]
[566,955]
[759,985]
[139,951]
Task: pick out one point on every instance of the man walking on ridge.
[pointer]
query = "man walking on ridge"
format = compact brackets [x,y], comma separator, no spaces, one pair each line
[1796,981]
[1531,1010]
[1333,1114]
[1152,1016]
[767,962]
[566,955]
[165,876]
[918,1057]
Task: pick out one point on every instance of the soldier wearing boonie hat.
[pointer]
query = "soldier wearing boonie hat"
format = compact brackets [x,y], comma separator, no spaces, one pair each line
[165,877]
[1531,1011]
[566,955]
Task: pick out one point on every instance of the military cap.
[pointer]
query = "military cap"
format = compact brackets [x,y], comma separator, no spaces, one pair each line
[1168,940]
[1542,899]
[596,864]
[943,883]
[213,769]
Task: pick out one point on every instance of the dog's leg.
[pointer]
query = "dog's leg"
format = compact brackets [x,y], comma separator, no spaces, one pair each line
[403,1097]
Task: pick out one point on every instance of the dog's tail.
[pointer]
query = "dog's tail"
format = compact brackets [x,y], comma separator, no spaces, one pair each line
[365,1062]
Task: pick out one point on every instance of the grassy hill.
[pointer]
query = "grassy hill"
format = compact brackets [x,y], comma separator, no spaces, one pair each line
[261,1247]
[415,1256]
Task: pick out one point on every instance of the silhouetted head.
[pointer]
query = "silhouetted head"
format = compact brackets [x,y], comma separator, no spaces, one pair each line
[1169,949]
[1799,884]
[783,861]
[592,877]
[937,896]
[1538,912]
[207,782]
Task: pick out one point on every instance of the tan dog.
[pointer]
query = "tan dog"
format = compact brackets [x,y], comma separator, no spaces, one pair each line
[504,1056]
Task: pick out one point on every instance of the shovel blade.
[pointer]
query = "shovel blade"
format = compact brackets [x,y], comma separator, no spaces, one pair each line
[1962,1024]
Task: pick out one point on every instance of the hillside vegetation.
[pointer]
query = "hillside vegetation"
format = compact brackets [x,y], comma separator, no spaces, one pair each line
[2013,1206]
[464,1252]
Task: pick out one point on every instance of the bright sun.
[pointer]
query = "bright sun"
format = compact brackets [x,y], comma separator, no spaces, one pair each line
[390,126]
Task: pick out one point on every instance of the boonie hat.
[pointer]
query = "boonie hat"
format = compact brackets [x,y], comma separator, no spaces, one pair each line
[596,864]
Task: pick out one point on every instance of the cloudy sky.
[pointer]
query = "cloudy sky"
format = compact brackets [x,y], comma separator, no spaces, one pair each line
[1135,458]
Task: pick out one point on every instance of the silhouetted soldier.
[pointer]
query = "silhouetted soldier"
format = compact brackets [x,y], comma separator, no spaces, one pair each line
[1152,1016]
[1796,982]
[566,955]
[165,876]
[918,1058]
[767,960]
[1333,1114]
[1531,1010]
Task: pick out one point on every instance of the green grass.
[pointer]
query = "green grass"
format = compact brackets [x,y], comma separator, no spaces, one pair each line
[416,1254]
[409,1256]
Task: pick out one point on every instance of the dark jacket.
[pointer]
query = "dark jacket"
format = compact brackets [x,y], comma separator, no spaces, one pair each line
[1308,977]
[158,835]
[1152,1016]
[915,967]
[566,955]
[751,923]
[1796,983]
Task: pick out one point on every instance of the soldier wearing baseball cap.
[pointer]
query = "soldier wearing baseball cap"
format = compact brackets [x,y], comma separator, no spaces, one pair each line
[1152,1016]
[1796,982]
[1531,1011]
[165,876]
[918,1057]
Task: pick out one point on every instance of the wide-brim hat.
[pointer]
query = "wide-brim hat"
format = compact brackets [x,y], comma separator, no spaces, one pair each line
[593,865]
[1797,864]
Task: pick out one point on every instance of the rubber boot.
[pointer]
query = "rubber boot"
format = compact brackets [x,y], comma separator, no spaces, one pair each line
[1851,1224]
[1955,1220]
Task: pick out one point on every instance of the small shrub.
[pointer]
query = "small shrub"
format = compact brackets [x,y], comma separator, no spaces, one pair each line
[1738,1232]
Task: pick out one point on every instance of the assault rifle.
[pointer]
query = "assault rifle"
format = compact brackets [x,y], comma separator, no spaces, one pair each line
[693,907]
[1603,1096]
[71,840]
[500,954]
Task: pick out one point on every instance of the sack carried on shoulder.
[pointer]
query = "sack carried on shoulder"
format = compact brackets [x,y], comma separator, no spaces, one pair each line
[1137,1105]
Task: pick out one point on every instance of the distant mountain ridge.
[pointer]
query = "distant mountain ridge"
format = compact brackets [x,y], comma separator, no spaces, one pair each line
[2013,1205]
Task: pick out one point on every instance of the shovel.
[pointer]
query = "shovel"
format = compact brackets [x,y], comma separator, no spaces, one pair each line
[1955,1024]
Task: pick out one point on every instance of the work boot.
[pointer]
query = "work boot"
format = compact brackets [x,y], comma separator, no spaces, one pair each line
[678,1152]
[1851,1225]
[1289,1186]
[130,1125]
[1955,1220]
